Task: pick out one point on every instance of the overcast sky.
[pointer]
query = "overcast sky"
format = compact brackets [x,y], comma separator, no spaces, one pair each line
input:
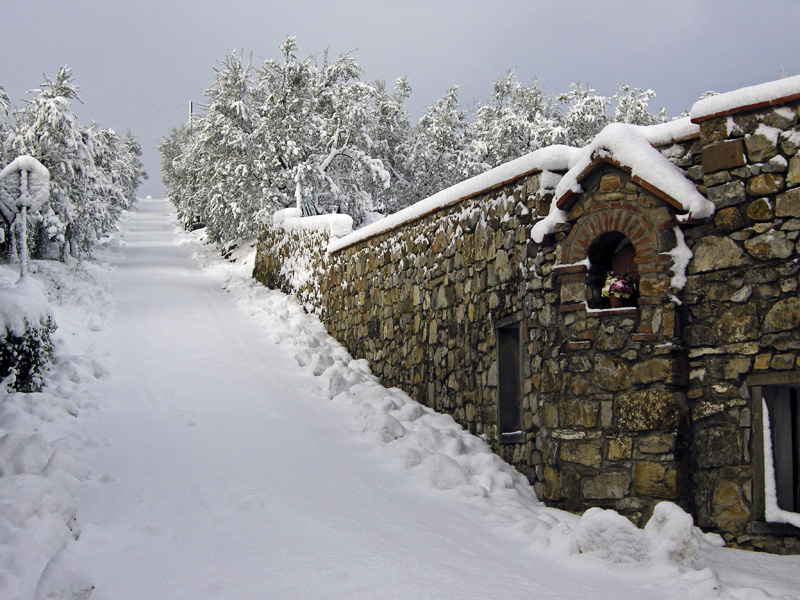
[134,58]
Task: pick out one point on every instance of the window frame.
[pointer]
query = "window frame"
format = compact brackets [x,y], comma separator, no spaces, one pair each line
[514,326]
[760,386]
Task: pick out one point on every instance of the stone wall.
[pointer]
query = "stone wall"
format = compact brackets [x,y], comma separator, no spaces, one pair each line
[421,303]
[742,313]
[618,407]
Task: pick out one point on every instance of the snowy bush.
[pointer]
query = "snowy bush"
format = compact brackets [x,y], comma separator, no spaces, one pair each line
[26,357]
[25,326]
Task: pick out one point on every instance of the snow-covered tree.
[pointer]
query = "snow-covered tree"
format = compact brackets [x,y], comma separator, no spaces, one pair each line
[586,114]
[92,175]
[391,130]
[518,119]
[222,158]
[632,107]
[48,130]
[437,152]
[316,129]
[24,187]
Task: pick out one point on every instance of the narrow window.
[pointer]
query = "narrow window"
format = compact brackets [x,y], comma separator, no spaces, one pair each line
[783,407]
[509,388]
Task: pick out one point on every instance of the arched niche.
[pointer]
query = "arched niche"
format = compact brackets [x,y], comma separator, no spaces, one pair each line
[613,275]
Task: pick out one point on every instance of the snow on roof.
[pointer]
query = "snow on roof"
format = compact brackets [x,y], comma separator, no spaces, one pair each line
[632,147]
[753,96]
[552,158]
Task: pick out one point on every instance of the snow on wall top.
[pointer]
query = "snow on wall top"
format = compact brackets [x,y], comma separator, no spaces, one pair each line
[765,93]
[291,219]
[552,158]
[632,147]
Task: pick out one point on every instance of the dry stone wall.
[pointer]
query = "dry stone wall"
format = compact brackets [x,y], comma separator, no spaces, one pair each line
[619,408]
[742,314]
[421,303]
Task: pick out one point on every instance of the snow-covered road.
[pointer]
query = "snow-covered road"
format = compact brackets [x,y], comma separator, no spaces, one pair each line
[221,469]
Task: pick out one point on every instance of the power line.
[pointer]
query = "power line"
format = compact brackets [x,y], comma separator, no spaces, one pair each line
[145,114]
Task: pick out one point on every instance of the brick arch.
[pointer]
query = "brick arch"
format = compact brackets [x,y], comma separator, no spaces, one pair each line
[603,218]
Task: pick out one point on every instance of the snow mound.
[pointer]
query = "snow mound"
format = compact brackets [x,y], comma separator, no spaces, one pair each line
[39,477]
[23,301]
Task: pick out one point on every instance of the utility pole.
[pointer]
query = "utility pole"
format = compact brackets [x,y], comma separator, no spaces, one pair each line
[191,117]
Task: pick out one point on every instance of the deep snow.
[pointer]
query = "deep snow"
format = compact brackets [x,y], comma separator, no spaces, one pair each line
[229,448]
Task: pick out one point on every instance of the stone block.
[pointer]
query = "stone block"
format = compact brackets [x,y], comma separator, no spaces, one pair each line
[729,510]
[788,204]
[713,130]
[579,412]
[657,443]
[770,245]
[760,148]
[782,362]
[729,219]
[619,448]
[718,445]
[552,483]
[610,182]
[610,373]
[656,369]
[583,453]
[726,154]
[642,410]
[606,486]
[656,479]
[736,324]
[765,184]
[727,194]
[784,315]
[793,175]
[713,253]
[762,362]
[760,210]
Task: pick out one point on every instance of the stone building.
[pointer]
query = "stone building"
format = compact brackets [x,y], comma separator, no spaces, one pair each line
[490,301]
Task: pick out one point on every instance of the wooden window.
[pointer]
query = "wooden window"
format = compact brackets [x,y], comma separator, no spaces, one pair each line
[509,383]
[783,406]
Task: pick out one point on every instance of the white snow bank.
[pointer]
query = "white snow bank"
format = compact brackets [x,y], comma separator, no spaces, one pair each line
[747,96]
[23,302]
[631,146]
[552,158]
[39,478]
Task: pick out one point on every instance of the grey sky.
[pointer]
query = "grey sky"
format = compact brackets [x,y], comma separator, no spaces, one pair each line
[131,58]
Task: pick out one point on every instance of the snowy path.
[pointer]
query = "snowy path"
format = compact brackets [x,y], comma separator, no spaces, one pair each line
[219,470]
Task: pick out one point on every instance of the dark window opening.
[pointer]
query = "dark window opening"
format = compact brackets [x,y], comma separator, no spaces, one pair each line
[783,406]
[509,379]
[613,276]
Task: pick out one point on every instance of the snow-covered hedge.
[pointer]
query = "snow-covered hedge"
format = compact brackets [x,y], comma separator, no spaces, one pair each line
[26,322]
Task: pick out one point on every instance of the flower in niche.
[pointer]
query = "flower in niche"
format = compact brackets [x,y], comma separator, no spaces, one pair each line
[619,287]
